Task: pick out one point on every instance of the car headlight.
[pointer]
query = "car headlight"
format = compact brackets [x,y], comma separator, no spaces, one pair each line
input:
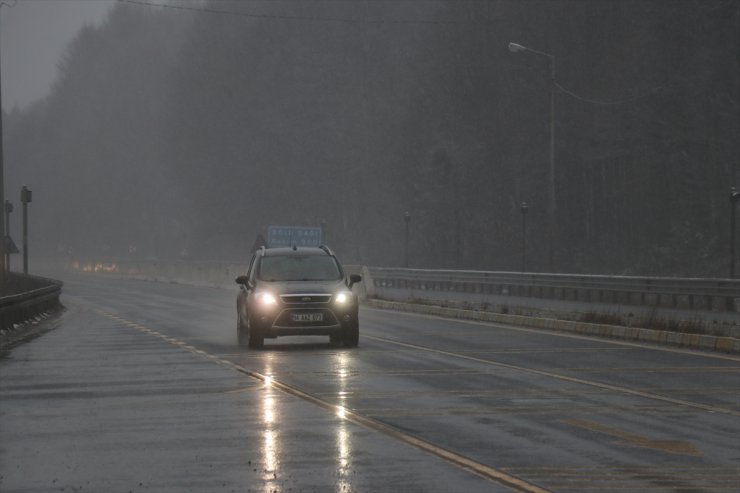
[343,298]
[266,299]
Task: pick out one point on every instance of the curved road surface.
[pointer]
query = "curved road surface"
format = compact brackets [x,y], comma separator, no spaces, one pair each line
[141,387]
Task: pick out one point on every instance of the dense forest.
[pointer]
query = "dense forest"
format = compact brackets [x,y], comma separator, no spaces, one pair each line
[183,133]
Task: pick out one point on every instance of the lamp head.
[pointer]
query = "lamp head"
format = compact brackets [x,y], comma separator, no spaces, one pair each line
[515,47]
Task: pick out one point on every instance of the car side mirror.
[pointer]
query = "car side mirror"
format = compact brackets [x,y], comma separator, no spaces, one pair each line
[244,280]
[354,279]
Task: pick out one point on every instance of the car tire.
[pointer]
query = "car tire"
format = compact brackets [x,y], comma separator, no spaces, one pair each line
[352,336]
[255,339]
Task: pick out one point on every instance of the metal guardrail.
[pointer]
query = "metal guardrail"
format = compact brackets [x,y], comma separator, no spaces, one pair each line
[34,295]
[689,293]
[708,294]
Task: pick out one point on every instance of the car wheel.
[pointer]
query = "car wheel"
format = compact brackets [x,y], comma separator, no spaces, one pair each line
[352,336]
[256,340]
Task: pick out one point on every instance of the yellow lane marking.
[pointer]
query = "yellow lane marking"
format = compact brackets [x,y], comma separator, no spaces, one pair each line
[475,467]
[459,460]
[670,446]
[615,388]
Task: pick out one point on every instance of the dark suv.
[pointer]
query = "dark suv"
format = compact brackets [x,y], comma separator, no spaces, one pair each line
[296,291]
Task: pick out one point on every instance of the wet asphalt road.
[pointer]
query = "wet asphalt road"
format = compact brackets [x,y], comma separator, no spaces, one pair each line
[141,387]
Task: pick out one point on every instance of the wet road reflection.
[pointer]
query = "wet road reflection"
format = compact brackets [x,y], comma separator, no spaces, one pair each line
[343,436]
[344,463]
[423,405]
[271,449]
[273,423]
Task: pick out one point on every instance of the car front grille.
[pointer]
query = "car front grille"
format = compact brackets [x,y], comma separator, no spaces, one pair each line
[294,299]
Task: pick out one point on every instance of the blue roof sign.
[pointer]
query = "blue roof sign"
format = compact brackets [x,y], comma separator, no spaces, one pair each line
[288,236]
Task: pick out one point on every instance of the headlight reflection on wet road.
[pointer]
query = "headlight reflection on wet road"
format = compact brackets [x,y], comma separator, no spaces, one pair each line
[271,448]
[343,436]
[272,416]
[344,463]
[270,442]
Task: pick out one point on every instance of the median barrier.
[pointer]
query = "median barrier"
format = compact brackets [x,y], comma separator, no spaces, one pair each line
[683,293]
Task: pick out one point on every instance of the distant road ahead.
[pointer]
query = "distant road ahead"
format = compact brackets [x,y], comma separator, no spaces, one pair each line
[142,387]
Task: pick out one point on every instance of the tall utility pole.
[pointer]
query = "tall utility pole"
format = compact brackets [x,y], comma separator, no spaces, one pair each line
[516,48]
[3,232]
[734,199]
[524,209]
[407,219]
[553,202]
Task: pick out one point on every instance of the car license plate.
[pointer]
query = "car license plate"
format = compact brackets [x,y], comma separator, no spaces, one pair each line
[307,317]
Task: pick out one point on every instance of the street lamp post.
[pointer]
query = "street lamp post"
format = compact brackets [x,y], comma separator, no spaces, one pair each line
[524,209]
[407,219]
[734,199]
[516,48]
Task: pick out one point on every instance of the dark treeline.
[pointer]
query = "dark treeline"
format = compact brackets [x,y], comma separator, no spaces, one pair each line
[173,133]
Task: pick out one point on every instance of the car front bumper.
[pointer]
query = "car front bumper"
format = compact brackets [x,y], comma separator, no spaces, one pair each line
[280,322]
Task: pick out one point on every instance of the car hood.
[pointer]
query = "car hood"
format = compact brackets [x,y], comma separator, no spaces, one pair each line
[308,287]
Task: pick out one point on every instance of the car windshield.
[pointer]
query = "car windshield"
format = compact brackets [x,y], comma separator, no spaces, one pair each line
[299,268]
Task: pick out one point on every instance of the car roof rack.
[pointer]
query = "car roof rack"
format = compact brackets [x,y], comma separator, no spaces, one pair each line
[327,250]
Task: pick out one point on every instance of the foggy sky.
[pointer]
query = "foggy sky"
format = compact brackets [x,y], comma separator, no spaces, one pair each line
[185,134]
[33,37]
